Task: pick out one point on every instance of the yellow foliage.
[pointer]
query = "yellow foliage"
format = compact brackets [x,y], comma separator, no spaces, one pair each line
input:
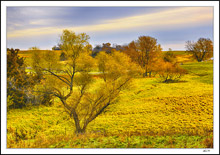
[85,62]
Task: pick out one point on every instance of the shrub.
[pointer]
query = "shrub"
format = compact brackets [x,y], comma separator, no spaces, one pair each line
[169,72]
[19,82]
[169,57]
[208,142]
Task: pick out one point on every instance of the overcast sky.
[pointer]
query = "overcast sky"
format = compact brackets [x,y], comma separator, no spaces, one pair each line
[171,26]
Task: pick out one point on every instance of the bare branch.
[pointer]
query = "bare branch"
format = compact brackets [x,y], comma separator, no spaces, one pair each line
[59,77]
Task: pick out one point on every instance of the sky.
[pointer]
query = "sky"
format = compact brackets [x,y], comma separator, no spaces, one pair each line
[172,26]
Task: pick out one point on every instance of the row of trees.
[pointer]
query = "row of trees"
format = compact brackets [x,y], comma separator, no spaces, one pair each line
[107,48]
[146,52]
[201,50]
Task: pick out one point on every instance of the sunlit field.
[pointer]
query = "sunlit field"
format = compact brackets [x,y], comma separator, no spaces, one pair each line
[106,76]
[148,114]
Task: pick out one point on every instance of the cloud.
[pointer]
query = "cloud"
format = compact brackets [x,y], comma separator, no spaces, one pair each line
[33,32]
[42,22]
[38,22]
[174,18]
[181,17]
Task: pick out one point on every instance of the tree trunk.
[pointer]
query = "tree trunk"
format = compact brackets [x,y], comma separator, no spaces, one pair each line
[145,74]
[79,130]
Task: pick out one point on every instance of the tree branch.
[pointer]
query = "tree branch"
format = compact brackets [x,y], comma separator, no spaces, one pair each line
[59,77]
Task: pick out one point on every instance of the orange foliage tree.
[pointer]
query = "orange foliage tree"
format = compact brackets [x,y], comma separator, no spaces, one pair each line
[169,72]
[145,51]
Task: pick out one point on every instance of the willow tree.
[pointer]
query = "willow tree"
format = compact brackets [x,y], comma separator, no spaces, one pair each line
[83,96]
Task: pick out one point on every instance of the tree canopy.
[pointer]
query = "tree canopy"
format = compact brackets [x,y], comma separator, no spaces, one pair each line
[145,51]
[201,50]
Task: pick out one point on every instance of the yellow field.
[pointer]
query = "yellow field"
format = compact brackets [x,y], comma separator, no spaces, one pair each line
[161,109]
[184,58]
[148,114]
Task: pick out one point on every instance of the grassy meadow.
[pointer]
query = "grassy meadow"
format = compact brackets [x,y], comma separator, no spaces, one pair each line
[149,114]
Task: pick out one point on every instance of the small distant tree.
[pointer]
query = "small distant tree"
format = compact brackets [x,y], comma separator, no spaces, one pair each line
[17,49]
[106,47]
[54,47]
[62,56]
[118,47]
[96,50]
[201,50]
[35,48]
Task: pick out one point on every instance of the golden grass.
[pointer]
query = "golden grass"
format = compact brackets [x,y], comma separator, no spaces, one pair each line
[149,114]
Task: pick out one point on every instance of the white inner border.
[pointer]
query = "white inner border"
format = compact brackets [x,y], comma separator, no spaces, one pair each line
[4,5]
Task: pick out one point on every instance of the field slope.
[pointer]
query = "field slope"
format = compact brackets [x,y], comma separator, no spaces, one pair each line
[149,114]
